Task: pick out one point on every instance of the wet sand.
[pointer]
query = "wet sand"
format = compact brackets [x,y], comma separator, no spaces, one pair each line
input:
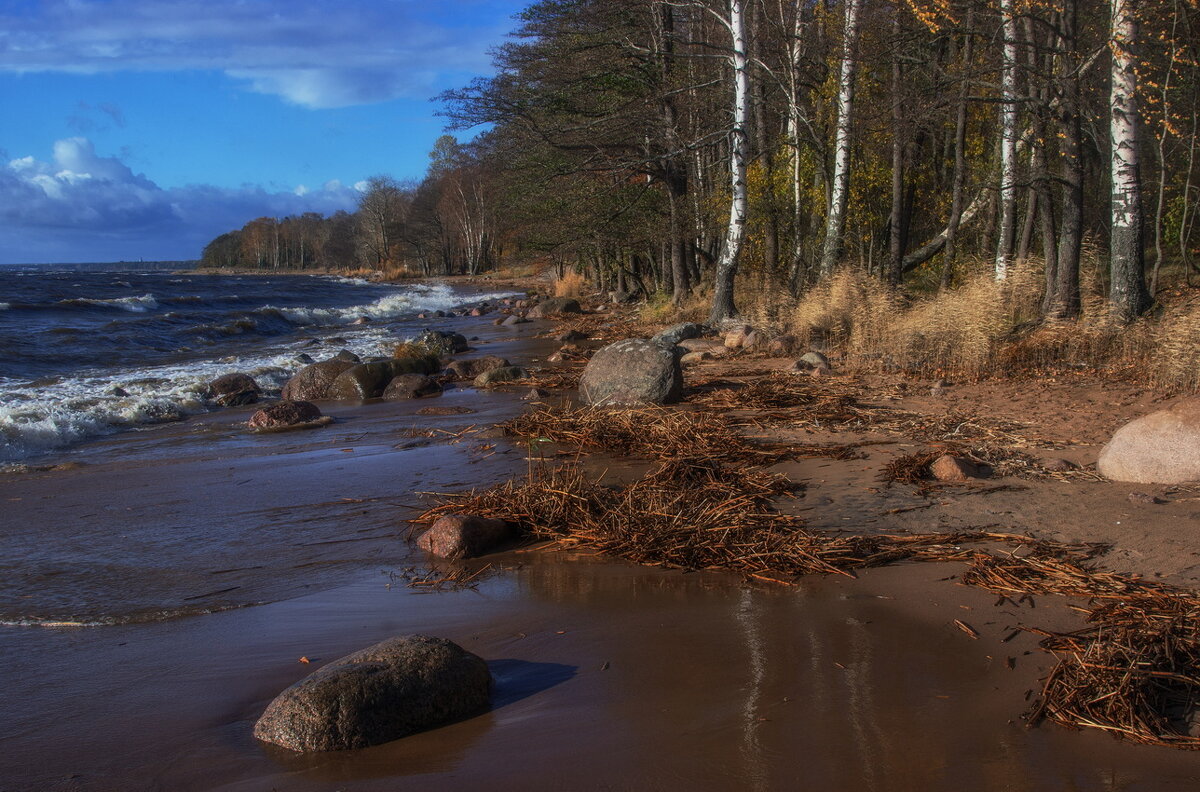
[609,676]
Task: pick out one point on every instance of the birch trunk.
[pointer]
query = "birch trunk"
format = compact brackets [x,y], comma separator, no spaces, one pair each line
[1008,143]
[835,221]
[1128,298]
[723,305]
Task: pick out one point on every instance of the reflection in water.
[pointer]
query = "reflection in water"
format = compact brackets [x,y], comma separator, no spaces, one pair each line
[752,751]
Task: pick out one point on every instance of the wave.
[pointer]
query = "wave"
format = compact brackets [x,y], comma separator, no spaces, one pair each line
[416,299]
[5,306]
[141,617]
[136,304]
[36,418]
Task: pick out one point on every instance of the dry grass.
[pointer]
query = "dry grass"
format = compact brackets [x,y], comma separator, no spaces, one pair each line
[571,284]
[984,328]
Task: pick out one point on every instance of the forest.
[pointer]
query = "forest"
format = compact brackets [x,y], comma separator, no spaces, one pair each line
[749,152]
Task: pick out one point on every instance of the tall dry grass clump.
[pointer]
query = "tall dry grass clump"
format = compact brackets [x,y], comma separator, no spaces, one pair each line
[1174,357]
[570,284]
[848,313]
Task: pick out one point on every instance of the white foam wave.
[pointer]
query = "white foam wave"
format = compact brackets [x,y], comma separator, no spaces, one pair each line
[391,306]
[37,419]
[136,304]
[350,281]
[5,306]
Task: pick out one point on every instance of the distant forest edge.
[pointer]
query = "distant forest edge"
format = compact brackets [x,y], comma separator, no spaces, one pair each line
[707,149]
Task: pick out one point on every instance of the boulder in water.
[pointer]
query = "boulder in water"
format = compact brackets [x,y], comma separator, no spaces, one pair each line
[463,536]
[395,688]
[473,367]
[411,386]
[312,382]
[368,380]
[285,414]
[233,389]
[500,375]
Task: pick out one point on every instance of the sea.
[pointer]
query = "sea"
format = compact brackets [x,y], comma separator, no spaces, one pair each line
[85,353]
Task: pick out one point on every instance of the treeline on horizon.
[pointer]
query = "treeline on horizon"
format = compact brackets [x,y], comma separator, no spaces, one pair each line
[706,145]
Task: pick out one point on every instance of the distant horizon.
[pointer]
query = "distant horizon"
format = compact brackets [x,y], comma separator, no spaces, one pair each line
[136,125]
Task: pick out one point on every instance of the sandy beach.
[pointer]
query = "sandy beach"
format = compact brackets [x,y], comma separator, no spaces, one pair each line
[274,548]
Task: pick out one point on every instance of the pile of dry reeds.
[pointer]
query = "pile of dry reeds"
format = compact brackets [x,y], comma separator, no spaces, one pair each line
[698,514]
[659,433]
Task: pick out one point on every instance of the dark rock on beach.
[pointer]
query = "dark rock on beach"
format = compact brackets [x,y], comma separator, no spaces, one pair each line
[283,414]
[368,380]
[399,687]
[311,382]
[554,306]
[411,386]
[680,332]
[233,389]
[440,342]
[473,367]
[951,468]
[636,371]
[463,536]
[500,375]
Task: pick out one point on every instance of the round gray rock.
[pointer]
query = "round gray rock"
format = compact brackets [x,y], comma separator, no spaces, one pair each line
[387,691]
[632,372]
[411,386]
[1160,448]
[311,382]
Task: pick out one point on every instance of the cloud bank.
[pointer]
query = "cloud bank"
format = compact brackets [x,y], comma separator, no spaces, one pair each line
[85,207]
[313,53]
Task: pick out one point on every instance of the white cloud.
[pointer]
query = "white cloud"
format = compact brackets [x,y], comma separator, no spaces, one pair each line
[314,53]
[86,207]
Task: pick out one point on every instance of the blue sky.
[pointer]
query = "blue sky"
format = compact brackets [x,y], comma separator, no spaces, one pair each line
[135,129]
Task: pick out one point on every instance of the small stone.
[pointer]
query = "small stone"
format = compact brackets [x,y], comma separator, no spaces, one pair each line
[951,468]
[1144,497]
[695,357]
[535,394]
[570,336]
[500,375]
[1055,465]
[284,414]
[463,536]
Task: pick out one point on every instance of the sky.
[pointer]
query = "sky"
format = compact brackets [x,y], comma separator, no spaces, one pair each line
[142,129]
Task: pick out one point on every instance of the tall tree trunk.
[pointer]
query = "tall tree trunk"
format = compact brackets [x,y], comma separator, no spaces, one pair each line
[1008,143]
[896,219]
[960,148]
[723,306]
[835,221]
[1128,297]
[1066,302]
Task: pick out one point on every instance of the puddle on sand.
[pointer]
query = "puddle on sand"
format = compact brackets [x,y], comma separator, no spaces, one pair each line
[609,677]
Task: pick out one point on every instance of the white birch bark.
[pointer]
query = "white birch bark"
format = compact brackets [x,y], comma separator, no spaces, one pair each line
[1008,142]
[723,305]
[835,220]
[1127,296]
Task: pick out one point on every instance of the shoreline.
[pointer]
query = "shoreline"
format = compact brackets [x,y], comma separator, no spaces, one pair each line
[566,635]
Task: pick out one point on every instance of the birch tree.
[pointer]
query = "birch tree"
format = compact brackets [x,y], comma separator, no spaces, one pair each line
[835,220]
[723,306]
[1008,142]
[1128,297]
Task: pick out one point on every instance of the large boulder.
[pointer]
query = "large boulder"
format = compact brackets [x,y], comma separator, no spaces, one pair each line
[473,367]
[311,382]
[411,386]
[553,306]
[284,414]
[464,536]
[1160,448]
[387,691]
[632,372]
[233,389]
[368,380]
[680,332]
